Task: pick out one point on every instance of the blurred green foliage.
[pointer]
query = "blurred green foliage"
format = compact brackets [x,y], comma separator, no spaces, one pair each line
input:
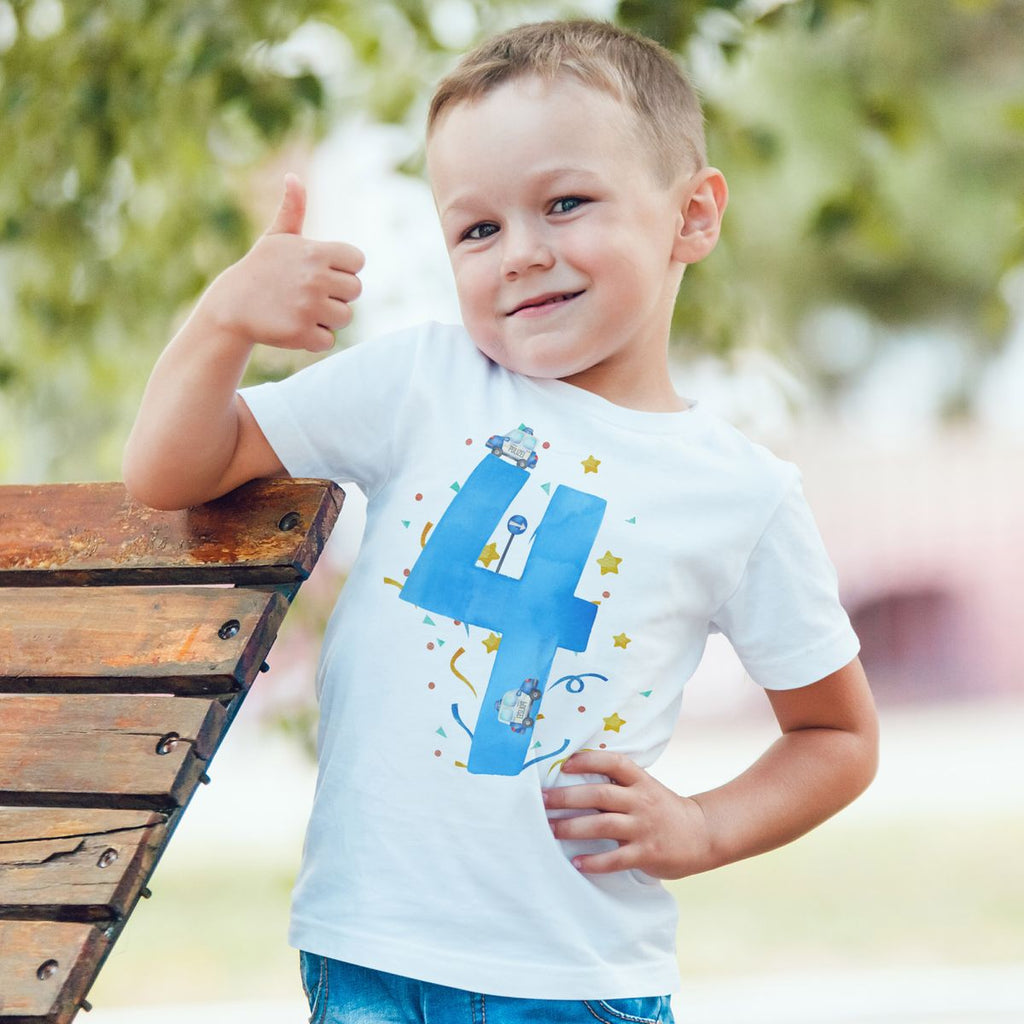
[126,127]
[876,160]
[875,152]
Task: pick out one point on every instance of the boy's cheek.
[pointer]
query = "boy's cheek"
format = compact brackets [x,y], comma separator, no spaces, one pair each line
[472,287]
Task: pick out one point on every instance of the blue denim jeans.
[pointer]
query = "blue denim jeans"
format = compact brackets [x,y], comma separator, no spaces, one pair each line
[341,993]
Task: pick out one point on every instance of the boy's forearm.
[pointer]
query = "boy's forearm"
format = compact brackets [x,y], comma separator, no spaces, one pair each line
[825,757]
[803,779]
[186,430]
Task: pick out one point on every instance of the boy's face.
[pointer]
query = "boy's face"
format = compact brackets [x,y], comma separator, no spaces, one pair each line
[562,241]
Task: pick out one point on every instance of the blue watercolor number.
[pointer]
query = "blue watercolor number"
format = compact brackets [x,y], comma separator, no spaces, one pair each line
[535,614]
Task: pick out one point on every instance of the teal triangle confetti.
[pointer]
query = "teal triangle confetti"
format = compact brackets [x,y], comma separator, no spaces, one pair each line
[633,520]
[428,621]
[456,487]
[440,642]
[546,488]
[440,732]
[406,523]
[646,693]
[534,747]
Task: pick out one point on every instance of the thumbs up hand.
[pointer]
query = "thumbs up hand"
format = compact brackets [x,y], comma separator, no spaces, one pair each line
[288,291]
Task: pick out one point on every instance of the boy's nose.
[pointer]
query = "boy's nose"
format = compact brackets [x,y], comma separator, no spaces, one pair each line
[524,251]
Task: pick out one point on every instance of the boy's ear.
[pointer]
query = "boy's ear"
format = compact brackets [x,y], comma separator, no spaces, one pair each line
[703,204]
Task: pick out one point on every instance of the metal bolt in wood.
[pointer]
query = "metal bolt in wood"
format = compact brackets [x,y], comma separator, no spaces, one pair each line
[167,743]
[107,857]
[47,969]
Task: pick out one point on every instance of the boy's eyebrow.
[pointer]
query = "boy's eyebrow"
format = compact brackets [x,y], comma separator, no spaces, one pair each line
[469,200]
[545,175]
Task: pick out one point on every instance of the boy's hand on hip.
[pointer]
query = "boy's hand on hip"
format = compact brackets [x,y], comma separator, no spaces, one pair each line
[288,291]
[658,831]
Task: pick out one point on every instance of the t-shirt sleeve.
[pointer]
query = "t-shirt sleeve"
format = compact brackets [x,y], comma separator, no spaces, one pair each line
[784,619]
[331,419]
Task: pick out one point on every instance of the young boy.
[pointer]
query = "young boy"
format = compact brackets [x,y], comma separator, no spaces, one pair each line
[552,533]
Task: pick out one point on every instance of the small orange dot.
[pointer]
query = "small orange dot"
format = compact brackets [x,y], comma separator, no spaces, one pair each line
[606,594]
[419,497]
[456,622]
[604,746]
[430,646]
[469,440]
[437,753]
[405,572]
[581,709]
[430,686]
[546,444]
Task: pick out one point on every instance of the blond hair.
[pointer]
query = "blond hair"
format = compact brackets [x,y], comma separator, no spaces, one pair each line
[636,71]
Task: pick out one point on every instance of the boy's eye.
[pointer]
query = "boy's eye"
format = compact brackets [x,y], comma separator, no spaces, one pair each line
[566,204]
[479,231]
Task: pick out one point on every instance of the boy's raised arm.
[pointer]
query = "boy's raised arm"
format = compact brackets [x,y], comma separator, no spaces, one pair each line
[194,438]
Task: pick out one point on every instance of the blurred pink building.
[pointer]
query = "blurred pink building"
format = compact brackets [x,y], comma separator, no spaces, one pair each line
[928,540]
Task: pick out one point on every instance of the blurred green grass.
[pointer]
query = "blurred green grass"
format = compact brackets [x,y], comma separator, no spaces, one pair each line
[905,892]
[207,934]
[854,894]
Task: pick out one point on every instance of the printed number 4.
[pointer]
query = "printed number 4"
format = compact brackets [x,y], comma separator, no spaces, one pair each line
[535,614]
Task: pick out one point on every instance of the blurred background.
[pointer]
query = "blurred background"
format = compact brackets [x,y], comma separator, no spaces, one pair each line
[863,316]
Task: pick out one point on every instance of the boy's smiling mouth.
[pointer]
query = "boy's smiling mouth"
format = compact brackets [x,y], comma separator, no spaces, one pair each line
[541,302]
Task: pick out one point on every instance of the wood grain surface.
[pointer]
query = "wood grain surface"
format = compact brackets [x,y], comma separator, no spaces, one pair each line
[104,751]
[84,865]
[167,639]
[268,531]
[46,967]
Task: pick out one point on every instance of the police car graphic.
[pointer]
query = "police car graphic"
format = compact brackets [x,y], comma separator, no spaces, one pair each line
[516,707]
[517,445]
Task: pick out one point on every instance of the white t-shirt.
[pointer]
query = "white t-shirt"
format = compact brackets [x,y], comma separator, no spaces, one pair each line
[539,573]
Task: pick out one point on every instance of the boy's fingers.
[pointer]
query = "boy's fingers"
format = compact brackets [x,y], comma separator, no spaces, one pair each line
[602,863]
[598,797]
[331,313]
[619,768]
[292,211]
[320,339]
[593,826]
[346,287]
[338,312]
[344,258]
[337,315]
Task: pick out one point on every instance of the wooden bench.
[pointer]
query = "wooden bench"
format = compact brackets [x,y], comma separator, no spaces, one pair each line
[128,640]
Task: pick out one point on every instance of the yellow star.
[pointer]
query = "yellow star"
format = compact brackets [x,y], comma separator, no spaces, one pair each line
[491,643]
[489,554]
[590,464]
[613,723]
[622,640]
[609,564]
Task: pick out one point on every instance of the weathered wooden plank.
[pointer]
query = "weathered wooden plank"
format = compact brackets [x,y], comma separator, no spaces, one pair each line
[85,865]
[28,824]
[105,751]
[268,531]
[163,639]
[46,968]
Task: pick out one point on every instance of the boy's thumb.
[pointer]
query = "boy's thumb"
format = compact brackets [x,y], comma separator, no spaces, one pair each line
[292,211]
